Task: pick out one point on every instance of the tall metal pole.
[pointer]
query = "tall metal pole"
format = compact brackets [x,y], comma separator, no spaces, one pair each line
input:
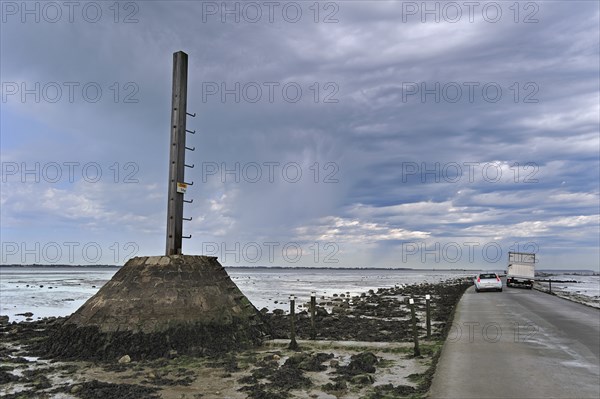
[177,153]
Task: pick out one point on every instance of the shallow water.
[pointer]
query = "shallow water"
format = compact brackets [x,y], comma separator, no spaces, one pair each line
[60,291]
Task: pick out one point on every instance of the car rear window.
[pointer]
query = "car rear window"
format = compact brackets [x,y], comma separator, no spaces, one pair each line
[489,275]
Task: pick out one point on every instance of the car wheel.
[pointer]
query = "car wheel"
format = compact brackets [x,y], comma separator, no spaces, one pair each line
[476,289]
[500,289]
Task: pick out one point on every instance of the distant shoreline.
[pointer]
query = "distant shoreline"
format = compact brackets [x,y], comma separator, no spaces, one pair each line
[57,266]
[61,266]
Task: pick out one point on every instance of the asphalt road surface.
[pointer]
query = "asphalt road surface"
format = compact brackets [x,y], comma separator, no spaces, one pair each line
[520,343]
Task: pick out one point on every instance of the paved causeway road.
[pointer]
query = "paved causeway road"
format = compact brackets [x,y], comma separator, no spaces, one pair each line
[520,344]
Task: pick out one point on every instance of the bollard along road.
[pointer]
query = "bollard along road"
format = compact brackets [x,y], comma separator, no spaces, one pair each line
[519,343]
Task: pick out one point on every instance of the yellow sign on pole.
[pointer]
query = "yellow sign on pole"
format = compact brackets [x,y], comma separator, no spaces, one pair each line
[181,188]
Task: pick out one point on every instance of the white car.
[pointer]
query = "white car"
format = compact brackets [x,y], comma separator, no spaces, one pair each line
[488,282]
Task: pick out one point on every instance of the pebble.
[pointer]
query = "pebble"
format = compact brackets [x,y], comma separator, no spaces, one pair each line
[125,359]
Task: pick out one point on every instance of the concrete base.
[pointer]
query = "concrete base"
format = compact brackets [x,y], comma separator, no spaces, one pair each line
[156,305]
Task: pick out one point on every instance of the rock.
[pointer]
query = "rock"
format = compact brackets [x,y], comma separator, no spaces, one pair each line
[125,359]
[362,379]
[271,356]
[26,314]
[4,320]
[42,382]
[6,377]
[389,390]
[360,364]
[321,312]
[75,388]
[315,362]
[338,386]
[338,309]
[278,312]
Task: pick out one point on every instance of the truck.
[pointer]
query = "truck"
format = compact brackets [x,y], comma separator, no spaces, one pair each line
[521,269]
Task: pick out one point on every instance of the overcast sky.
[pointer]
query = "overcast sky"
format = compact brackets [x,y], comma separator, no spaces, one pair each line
[348,133]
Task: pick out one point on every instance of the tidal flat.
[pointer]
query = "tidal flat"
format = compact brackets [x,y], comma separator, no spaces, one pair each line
[363,348]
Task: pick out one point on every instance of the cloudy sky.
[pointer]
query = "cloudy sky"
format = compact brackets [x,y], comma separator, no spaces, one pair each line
[348,133]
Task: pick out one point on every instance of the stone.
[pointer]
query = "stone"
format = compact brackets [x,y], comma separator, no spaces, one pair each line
[75,388]
[125,359]
[321,312]
[362,379]
[164,260]
[151,307]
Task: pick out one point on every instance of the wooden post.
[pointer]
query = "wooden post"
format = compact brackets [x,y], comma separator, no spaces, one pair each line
[550,285]
[293,344]
[177,154]
[313,304]
[417,351]
[427,304]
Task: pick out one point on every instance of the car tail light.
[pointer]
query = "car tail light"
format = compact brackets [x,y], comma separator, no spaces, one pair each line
[497,278]
[479,279]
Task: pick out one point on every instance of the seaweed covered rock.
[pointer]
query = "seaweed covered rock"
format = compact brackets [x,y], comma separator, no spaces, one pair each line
[155,305]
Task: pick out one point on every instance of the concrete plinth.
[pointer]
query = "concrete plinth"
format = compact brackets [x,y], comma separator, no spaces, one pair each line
[159,305]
